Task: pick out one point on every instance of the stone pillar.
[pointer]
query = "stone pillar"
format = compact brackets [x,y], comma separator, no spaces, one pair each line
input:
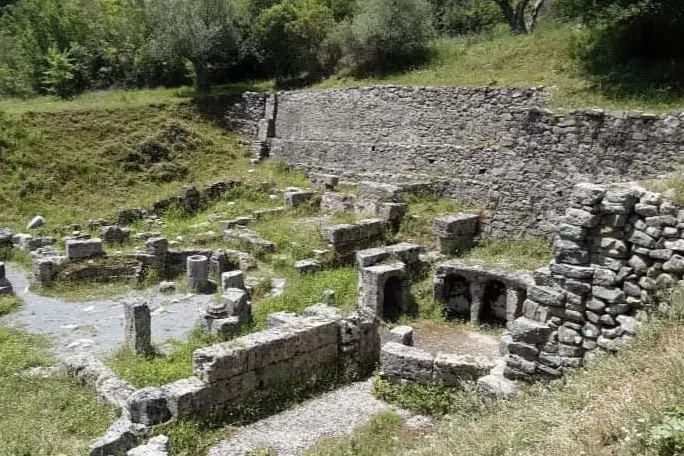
[5,286]
[514,302]
[477,296]
[198,273]
[138,329]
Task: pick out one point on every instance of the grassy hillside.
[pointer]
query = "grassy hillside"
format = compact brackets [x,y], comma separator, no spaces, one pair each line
[544,57]
[75,165]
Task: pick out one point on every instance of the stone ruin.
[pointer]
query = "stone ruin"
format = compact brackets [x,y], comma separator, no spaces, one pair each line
[480,295]
[317,343]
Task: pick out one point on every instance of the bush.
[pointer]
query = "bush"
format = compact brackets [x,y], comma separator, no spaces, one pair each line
[386,35]
[458,17]
[290,36]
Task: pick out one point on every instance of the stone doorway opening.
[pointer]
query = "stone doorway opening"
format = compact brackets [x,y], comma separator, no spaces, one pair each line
[393,303]
[493,309]
[457,297]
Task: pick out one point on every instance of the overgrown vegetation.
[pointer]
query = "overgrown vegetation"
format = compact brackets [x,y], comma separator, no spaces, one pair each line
[376,437]
[610,52]
[43,415]
[430,398]
[304,291]
[418,224]
[522,254]
[157,370]
[618,405]
[8,303]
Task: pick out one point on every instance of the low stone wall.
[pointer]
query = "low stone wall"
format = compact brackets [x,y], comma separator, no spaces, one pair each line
[190,200]
[229,373]
[616,248]
[344,240]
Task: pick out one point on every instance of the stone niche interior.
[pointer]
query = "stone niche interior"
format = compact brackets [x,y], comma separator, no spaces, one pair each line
[473,293]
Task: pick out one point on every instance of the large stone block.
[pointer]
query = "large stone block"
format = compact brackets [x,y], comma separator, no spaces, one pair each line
[399,361]
[454,369]
[82,249]
[149,406]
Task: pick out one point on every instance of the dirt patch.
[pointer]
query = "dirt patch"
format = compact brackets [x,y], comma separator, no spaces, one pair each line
[445,338]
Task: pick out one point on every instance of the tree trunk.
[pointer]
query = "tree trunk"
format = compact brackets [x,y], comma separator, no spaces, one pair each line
[201,77]
[517,17]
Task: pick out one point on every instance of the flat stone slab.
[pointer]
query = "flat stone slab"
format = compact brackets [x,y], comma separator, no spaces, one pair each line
[294,431]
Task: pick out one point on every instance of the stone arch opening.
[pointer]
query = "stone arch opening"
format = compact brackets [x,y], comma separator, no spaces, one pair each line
[457,297]
[393,298]
[493,309]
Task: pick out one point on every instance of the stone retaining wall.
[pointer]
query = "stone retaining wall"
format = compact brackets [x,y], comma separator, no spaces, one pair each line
[617,248]
[229,373]
[499,148]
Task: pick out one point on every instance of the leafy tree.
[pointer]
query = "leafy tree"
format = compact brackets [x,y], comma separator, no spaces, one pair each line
[521,15]
[291,34]
[203,32]
[58,77]
[386,35]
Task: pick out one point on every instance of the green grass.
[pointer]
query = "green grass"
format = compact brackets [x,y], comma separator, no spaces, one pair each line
[672,187]
[522,254]
[115,99]
[430,398]
[76,165]
[43,416]
[156,370]
[418,223]
[376,437]
[615,406]
[8,303]
[304,291]
[544,57]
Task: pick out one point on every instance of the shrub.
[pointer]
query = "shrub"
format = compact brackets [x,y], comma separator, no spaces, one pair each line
[458,17]
[290,36]
[386,35]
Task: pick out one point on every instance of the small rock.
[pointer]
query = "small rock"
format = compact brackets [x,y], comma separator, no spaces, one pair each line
[167,287]
[36,222]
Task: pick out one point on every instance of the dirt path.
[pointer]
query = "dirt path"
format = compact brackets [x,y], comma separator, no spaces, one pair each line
[294,431]
[97,326]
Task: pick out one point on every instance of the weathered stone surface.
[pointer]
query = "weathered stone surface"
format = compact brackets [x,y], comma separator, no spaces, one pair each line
[237,304]
[88,248]
[36,222]
[309,266]
[529,331]
[674,265]
[149,406]
[570,252]
[156,446]
[121,436]
[456,225]
[402,335]
[546,296]
[579,217]
[322,311]
[258,350]
[232,279]
[297,197]
[497,386]
[398,361]
[197,273]
[454,369]
[574,272]
[610,295]
[138,327]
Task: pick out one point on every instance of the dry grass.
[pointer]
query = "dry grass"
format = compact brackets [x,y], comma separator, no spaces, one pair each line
[602,410]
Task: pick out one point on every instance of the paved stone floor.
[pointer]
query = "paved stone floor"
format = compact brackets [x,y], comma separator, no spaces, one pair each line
[97,326]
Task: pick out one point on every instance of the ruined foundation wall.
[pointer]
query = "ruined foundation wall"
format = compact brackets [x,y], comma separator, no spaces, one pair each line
[617,248]
[497,147]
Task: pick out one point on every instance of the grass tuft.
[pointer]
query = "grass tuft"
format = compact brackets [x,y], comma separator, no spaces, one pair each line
[523,254]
